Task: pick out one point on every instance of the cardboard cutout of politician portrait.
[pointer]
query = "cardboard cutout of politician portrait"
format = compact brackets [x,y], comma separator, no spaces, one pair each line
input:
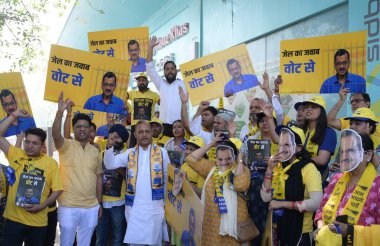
[287,145]
[178,181]
[13,96]
[351,150]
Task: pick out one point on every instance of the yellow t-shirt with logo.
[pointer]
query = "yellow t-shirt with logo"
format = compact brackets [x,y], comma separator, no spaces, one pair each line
[79,170]
[44,165]
[312,181]
[143,101]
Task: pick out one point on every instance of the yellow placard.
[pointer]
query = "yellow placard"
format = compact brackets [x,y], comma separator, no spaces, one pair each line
[14,83]
[306,63]
[79,75]
[184,211]
[114,43]
[209,77]
[97,117]
[13,96]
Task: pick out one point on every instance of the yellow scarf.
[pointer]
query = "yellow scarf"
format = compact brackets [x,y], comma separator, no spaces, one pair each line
[355,204]
[219,179]
[156,173]
[278,181]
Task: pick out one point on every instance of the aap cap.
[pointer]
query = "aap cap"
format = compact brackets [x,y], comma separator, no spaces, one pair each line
[363,114]
[197,141]
[318,100]
[141,74]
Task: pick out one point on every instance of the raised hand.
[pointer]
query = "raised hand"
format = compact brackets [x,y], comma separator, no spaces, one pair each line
[232,128]
[265,85]
[184,97]
[266,107]
[277,82]
[343,93]
[62,105]
[153,41]
[204,104]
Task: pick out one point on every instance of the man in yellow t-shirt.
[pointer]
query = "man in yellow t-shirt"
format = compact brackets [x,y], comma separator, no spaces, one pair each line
[81,171]
[141,103]
[31,175]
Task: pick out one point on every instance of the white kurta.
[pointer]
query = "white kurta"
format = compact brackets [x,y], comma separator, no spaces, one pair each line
[146,218]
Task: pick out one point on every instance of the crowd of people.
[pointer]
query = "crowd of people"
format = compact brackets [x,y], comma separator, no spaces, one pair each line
[110,182]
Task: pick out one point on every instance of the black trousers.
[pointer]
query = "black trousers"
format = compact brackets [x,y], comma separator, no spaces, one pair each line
[16,233]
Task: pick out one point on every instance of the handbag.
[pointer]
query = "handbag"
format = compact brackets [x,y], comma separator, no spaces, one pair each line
[247,230]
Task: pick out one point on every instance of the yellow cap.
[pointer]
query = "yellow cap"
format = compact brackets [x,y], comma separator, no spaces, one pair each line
[156,120]
[318,100]
[363,114]
[141,74]
[197,141]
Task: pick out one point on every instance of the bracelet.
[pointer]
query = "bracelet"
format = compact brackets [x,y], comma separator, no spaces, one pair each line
[59,114]
[293,205]
[68,115]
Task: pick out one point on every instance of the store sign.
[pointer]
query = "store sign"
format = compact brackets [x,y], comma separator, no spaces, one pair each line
[176,32]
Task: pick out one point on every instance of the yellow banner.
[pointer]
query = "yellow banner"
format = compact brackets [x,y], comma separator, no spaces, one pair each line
[184,211]
[13,96]
[223,73]
[306,63]
[14,83]
[79,75]
[114,43]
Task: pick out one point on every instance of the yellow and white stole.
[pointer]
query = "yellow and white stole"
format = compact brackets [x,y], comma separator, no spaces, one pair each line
[252,130]
[156,174]
[355,204]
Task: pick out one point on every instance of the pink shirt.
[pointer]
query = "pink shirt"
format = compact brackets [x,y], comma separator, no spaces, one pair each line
[371,209]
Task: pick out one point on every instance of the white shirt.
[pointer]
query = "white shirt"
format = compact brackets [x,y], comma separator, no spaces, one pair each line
[146,218]
[170,102]
[196,128]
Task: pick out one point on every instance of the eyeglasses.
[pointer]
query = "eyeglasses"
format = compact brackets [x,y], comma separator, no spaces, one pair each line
[344,63]
[13,103]
[356,101]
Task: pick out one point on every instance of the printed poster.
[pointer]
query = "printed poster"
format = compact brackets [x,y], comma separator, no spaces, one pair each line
[30,188]
[91,81]
[114,43]
[184,211]
[306,64]
[223,73]
[13,96]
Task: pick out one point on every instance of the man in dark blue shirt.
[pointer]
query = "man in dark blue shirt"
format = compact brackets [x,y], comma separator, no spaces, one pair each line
[9,103]
[106,102]
[343,79]
[239,82]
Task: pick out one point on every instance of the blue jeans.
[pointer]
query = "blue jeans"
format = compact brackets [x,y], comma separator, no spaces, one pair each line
[111,224]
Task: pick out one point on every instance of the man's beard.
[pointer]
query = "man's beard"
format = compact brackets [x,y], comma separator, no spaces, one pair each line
[142,87]
[171,80]
[118,146]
